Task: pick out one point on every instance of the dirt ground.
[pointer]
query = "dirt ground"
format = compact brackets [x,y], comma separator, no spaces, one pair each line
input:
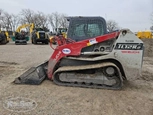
[136,97]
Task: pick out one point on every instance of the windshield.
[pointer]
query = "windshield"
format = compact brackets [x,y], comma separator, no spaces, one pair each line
[39,29]
[83,29]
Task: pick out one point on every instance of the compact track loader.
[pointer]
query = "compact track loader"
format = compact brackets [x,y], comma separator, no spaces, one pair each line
[90,57]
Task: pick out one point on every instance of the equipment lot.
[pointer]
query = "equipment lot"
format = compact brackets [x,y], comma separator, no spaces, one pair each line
[136,97]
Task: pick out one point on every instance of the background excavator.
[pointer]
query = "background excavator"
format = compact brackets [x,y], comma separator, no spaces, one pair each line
[4,37]
[20,36]
[90,57]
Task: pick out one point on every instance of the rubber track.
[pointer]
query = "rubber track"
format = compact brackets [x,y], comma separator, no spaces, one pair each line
[84,67]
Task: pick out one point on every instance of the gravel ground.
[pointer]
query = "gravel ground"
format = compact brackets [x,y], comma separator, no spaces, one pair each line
[136,97]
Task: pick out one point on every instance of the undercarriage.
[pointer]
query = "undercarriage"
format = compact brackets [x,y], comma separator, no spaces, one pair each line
[102,75]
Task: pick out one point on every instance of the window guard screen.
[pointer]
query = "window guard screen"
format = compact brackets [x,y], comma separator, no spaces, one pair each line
[83,29]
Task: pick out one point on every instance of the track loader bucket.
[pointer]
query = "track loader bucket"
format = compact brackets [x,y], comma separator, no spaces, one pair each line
[33,76]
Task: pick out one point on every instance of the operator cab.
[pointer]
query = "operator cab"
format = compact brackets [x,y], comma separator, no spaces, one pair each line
[81,28]
[38,29]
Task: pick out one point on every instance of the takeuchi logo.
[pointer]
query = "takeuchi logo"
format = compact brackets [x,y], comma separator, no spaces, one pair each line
[66,51]
[129,46]
[19,104]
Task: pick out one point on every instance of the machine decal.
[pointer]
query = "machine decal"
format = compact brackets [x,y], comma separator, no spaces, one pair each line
[129,46]
[130,52]
[66,51]
[58,54]
[129,41]
[92,41]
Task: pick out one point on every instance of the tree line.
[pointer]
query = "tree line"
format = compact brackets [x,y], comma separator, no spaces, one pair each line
[10,22]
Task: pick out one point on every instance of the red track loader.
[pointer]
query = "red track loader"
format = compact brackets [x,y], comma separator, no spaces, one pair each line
[90,57]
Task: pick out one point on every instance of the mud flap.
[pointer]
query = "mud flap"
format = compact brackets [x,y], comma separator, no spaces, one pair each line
[33,76]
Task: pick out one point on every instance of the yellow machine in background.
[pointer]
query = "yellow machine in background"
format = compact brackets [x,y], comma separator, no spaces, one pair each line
[144,34]
[7,35]
[25,26]
[36,34]
[20,36]
[4,37]
[62,31]
[39,35]
[59,31]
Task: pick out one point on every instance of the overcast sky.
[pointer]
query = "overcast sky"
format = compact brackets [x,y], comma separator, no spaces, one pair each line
[132,14]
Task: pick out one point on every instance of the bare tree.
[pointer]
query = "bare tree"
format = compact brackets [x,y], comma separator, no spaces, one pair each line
[27,16]
[6,21]
[1,18]
[57,20]
[14,21]
[54,20]
[63,21]
[112,25]
[40,20]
